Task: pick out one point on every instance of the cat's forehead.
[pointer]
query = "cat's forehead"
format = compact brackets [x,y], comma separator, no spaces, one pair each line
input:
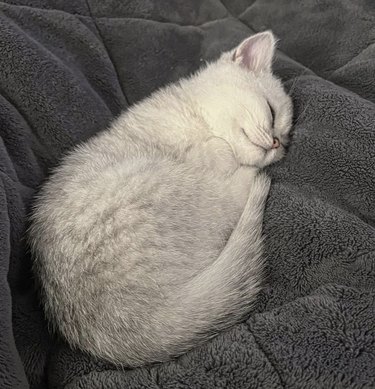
[238,93]
[234,81]
[251,102]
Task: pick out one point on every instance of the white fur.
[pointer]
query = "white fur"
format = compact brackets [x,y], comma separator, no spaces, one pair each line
[147,239]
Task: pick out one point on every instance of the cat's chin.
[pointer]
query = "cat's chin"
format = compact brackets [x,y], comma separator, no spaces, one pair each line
[272,156]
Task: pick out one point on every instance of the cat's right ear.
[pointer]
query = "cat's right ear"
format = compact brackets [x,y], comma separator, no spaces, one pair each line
[256,53]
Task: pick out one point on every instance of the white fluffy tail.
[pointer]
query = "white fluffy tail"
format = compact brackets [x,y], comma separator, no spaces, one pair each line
[222,294]
[225,289]
[215,299]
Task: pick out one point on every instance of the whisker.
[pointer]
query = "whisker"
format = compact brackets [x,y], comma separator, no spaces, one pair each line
[262,132]
[296,121]
[297,78]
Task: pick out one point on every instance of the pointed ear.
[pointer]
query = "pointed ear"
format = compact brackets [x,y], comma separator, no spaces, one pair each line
[256,53]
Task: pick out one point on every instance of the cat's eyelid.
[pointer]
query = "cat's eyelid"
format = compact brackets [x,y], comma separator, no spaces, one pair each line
[272,113]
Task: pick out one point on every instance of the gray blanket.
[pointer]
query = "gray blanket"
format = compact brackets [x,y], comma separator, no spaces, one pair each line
[67,69]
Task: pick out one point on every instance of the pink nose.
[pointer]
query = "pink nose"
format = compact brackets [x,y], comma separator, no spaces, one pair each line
[276,143]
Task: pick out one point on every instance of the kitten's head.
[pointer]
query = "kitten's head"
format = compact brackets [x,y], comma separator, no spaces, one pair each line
[244,103]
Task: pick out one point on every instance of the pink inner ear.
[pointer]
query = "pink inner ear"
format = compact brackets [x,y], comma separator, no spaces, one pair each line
[256,53]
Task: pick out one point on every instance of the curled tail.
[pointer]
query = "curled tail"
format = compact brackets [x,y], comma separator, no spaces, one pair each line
[221,295]
[229,284]
[139,333]
[215,299]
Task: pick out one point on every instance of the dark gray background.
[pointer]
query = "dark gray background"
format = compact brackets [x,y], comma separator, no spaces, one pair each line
[67,68]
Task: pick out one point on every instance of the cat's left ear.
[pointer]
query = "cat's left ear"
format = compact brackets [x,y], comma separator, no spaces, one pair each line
[256,53]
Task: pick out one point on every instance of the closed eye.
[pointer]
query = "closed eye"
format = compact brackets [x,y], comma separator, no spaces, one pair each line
[244,132]
[272,113]
[255,144]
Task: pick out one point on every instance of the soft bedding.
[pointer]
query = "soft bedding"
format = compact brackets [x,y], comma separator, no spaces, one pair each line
[68,68]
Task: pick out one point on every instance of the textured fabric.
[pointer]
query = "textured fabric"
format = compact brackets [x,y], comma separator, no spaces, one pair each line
[68,68]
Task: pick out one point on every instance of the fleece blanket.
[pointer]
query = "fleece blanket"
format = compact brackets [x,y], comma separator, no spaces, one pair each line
[68,68]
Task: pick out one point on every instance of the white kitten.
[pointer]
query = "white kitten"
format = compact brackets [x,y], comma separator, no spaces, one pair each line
[147,239]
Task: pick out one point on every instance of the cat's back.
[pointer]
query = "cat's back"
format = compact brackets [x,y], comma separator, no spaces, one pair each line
[109,214]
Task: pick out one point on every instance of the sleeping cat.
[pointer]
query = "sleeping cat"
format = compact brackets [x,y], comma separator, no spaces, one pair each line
[147,239]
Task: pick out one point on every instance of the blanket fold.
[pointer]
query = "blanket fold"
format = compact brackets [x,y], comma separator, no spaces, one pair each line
[68,68]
